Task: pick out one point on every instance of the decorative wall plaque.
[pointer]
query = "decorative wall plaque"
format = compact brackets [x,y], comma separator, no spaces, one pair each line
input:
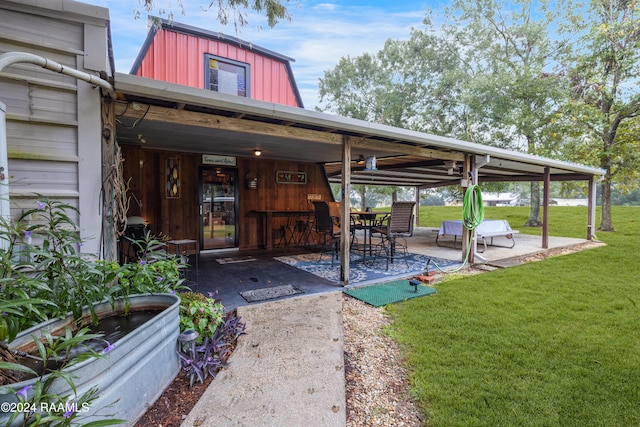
[289,177]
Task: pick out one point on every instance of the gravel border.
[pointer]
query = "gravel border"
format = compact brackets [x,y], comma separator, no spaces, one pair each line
[376,382]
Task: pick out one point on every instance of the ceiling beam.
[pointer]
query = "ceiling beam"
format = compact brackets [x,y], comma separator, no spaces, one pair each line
[213,121]
[396,147]
[285,130]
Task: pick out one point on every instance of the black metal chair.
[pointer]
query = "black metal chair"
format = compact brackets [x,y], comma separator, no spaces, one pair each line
[134,240]
[328,227]
[399,226]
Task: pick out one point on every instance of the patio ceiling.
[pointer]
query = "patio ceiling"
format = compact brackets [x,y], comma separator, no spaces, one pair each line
[161,115]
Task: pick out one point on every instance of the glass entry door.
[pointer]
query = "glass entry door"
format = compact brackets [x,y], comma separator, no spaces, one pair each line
[218,208]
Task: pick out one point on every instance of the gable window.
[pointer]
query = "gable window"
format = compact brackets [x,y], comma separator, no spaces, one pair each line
[226,76]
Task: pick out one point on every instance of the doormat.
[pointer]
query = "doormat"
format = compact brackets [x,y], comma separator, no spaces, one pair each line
[263,294]
[235,260]
[389,292]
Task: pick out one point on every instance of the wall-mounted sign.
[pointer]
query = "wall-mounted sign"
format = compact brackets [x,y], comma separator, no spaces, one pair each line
[212,159]
[289,177]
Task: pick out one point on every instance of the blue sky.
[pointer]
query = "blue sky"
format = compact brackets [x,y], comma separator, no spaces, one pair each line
[318,35]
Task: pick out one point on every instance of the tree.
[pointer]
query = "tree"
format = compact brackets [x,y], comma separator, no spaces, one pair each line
[514,90]
[407,84]
[484,76]
[605,101]
[274,10]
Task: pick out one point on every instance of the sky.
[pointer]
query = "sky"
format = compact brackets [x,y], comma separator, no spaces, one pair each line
[318,35]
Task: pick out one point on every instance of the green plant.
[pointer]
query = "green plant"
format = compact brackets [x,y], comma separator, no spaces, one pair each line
[155,272]
[37,405]
[200,313]
[43,261]
[212,355]
[43,268]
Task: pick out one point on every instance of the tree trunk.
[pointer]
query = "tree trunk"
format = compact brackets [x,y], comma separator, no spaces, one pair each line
[606,222]
[534,210]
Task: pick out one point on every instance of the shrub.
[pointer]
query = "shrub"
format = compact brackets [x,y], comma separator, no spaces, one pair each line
[208,358]
[200,313]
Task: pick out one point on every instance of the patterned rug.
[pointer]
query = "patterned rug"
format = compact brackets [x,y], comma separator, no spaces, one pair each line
[368,272]
[264,294]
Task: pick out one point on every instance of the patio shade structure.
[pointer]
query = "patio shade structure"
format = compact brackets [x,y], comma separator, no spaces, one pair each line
[175,117]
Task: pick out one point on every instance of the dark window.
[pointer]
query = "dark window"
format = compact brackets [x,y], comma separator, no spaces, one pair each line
[226,76]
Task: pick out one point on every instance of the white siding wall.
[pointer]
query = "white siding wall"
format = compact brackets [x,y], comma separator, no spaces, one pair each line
[54,126]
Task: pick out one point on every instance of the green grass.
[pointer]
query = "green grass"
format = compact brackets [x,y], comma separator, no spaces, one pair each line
[550,343]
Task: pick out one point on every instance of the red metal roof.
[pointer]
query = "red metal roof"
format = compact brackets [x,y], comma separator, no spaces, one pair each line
[176,53]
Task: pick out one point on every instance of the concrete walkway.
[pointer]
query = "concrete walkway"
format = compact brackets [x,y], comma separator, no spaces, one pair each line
[287,371]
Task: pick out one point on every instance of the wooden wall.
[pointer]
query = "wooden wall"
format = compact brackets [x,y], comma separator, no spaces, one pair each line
[178,218]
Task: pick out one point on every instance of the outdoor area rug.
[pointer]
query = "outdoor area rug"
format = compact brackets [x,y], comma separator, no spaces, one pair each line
[368,272]
[263,294]
[389,292]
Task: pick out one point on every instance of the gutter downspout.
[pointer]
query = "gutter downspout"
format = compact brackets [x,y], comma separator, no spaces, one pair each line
[10,58]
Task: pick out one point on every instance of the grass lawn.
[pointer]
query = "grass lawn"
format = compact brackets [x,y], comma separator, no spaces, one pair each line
[550,343]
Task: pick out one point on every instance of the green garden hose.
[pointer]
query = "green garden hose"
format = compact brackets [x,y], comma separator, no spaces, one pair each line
[472,208]
[472,217]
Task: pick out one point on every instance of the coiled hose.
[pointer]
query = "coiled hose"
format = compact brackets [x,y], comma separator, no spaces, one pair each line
[472,217]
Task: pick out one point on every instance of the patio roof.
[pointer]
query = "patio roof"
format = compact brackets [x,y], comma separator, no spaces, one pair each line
[167,116]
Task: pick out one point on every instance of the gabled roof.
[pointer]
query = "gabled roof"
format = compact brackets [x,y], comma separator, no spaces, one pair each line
[156,23]
[174,117]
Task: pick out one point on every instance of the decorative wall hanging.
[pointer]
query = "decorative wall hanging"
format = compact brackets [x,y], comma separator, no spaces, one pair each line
[172,177]
[289,177]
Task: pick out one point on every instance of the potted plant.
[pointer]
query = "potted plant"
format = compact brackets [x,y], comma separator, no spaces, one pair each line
[51,293]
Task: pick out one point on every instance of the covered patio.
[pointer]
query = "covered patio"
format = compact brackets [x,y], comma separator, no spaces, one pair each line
[164,124]
[255,270]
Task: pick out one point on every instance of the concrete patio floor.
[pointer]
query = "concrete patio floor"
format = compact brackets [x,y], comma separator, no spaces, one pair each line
[261,270]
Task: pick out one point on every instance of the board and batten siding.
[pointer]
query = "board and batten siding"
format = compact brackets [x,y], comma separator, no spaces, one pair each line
[179,58]
[53,122]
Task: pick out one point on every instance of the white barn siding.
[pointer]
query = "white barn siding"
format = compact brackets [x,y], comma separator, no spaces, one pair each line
[54,125]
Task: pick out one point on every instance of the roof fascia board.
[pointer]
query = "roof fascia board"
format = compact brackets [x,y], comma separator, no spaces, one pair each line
[135,85]
[64,9]
[215,35]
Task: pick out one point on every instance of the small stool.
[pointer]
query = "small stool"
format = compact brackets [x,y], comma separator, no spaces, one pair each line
[178,244]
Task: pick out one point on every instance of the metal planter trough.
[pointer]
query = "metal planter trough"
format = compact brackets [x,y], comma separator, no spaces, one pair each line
[132,375]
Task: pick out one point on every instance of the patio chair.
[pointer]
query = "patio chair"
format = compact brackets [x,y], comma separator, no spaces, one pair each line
[133,243]
[335,212]
[399,226]
[328,227]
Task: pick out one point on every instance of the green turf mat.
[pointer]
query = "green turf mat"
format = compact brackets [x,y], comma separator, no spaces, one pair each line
[389,292]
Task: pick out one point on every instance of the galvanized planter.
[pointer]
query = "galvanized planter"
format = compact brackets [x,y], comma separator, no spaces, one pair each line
[132,375]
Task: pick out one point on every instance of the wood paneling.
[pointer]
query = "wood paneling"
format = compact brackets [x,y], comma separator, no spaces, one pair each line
[178,218]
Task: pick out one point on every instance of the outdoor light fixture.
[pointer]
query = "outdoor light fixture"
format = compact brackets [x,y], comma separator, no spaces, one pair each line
[257,152]
[187,341]
[360,160]
[370,163]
